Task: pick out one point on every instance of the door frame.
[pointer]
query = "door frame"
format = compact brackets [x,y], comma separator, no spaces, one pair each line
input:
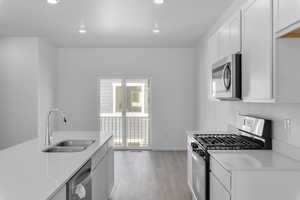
[123,78]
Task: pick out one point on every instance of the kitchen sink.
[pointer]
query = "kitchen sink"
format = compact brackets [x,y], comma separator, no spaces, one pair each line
[75,143]
[69,149]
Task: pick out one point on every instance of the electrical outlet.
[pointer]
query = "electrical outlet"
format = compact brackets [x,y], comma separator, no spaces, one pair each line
[288,126]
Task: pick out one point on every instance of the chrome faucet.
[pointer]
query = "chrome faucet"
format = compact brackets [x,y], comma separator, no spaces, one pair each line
[48,136]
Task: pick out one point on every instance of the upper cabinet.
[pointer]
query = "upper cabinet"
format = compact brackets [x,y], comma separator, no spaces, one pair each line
[226,40]
[213,48]
[234,26]
[257,52]
[287,15]
[267,33]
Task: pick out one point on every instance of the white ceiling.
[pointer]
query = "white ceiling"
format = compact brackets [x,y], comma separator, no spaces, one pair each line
[111,23]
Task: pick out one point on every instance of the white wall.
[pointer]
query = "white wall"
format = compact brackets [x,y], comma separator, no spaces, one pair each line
[173,87]
[213,115]
[47,83]
[28,67]
[18,90]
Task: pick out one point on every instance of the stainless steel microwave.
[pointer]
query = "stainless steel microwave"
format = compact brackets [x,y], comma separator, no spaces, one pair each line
[226,78]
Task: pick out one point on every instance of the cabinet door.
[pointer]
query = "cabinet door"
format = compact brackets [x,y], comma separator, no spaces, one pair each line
[217,191]
[235,34]
[61,194]
[110,170]
[257,50]
[213,49]
[288,12]
[99,180]
[223,41]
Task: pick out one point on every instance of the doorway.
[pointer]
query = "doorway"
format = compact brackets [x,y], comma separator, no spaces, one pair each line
[125,111]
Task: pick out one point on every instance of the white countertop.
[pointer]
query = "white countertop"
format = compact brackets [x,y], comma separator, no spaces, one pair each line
[254,160]
[28,173]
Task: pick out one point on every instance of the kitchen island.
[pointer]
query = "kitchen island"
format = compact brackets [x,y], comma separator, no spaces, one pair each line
[28,173]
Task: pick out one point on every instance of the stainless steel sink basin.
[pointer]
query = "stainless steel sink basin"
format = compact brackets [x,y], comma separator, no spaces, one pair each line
[75,143]
[57,149]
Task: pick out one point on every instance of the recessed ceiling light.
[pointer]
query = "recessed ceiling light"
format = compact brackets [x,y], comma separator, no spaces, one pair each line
[53,1]
[82,30]
[158,1]
[156,29]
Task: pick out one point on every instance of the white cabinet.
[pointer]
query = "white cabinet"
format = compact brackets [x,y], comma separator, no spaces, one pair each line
[217,190]
[223,41]
[99,189]
[254,176]
[103,171]
[226,40]
[110,168]
[220,181]
[234,27]
[257,51]
[213,46]
[61,194]
[287,13]
[229,37]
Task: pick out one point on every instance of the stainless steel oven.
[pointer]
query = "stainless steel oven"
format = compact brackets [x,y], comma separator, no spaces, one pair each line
[251,133]
[226,78]
[198,168]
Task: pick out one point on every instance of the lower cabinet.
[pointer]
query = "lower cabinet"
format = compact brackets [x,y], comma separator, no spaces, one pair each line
[99,174]
[217,190]
[61,194]
[103,172]
[110,169]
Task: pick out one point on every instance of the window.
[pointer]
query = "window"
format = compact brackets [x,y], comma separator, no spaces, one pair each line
[135,98]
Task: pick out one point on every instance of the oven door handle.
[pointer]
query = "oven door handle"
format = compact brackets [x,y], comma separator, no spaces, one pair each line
[82,178]
[86,180]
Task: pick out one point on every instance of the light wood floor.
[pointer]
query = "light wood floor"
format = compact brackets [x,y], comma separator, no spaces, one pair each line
[148,175]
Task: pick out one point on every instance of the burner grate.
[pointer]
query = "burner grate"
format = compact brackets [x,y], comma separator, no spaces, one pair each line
[225,142]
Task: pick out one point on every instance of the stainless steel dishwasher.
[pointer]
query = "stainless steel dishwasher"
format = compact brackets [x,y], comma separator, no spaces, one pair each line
[80,185]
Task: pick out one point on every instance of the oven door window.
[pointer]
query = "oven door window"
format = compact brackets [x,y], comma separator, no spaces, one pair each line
[199,176]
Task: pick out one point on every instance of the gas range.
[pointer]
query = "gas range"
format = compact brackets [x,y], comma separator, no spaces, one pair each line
[252,133]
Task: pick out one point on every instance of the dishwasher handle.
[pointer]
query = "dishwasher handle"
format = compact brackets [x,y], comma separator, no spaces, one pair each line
[82,178]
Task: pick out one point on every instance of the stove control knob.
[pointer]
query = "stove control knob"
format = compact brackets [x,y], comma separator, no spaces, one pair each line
[201,153]
[194,145]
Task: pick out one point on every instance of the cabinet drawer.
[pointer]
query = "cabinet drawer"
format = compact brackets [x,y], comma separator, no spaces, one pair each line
[97,157]
[217,190]
[220,173]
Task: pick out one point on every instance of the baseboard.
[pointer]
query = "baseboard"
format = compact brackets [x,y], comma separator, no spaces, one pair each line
[169,149]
